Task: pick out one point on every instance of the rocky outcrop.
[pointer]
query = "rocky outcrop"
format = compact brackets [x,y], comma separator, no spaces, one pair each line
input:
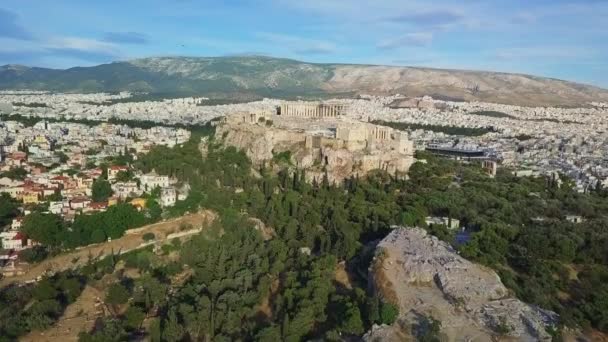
[259,142]
[387,333]
[426,277]
[327,156]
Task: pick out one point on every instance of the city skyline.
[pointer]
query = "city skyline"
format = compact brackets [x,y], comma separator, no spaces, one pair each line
[560,39]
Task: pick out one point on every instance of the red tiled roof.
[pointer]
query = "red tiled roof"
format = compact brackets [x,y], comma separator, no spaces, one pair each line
[19,236]
[98,205]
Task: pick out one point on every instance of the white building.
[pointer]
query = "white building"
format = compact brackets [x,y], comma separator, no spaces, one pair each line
[14,240]
[151,180]
[126,189]
[168,197]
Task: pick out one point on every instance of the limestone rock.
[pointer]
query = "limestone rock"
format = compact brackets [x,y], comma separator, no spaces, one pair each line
[318,156]
[426,276]
[386,333]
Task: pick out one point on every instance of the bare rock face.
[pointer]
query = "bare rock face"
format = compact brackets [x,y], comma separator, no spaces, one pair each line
[331,159]
[427,277]
[386,333]
[260,142]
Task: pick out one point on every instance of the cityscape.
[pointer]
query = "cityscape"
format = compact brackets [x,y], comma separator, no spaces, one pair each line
[344,171]
[80,155]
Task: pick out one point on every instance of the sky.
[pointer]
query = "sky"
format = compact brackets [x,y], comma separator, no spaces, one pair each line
[566,39]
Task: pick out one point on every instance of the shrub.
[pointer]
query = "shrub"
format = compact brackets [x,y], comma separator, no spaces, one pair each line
[117,294]
[149,236]
[388,313]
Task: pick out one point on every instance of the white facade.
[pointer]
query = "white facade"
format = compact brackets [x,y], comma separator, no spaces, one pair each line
[168,197]
[150,181]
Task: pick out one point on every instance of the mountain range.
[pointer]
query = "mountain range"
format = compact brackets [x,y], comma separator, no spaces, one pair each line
[252,77]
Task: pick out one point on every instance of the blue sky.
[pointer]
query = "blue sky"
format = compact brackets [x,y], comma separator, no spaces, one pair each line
[557,38]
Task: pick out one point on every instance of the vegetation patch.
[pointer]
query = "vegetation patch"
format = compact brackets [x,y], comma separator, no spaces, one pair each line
[493,114]
[451,130]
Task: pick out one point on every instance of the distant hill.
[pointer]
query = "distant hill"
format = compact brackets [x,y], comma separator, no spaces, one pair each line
[256,76]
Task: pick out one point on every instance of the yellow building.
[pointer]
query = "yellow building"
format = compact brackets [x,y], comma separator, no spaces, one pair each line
[138,202]
[42,142]
[112,201]
[30,197]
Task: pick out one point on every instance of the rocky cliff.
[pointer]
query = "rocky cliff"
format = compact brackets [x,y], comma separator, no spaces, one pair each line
[328,156]
[426,277]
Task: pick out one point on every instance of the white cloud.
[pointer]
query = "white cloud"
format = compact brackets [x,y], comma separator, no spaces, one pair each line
[407,40]
[299,45]
[82,44]
[555,52]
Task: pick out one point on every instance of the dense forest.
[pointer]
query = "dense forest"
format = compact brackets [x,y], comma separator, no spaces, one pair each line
[235,285]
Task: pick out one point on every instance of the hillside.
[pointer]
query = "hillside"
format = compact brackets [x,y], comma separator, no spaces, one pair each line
[256,76]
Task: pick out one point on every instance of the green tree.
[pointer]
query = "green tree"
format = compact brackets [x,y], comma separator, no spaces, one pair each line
[428,330]
[352,322]
[8,209]
[101,190]
[269,334]
[17,173]
[388,313]
[124,176]
[173,331]
[45,228]
[63,158]
[117,294]
[134,316]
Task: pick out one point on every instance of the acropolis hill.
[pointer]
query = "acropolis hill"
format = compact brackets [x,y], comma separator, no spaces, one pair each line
[319,139]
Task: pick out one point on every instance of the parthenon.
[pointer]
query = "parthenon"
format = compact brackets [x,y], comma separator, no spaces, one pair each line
[311,109]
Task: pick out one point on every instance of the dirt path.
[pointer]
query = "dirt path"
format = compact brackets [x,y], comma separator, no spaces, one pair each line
[133,239]
[78,316]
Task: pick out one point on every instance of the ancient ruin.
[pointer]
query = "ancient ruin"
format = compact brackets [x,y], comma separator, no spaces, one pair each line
[328,145]
[311,109]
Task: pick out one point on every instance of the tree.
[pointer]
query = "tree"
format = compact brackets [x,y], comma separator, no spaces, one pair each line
[17,173]
[148,236]
[153,210]
[63,158]
[44,228]
[428,330]
[388,313]
[117,294]
[173,330]
[97,236]
[134,316]
[111,330]
[45,290]
[155,330]
[124,176]
[269,334]
[373,310]
[101,190]
[352,322]
[8,209]
[34,254]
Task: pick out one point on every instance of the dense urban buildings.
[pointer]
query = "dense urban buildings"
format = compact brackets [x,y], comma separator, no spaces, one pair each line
[531,140]
[75,156]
